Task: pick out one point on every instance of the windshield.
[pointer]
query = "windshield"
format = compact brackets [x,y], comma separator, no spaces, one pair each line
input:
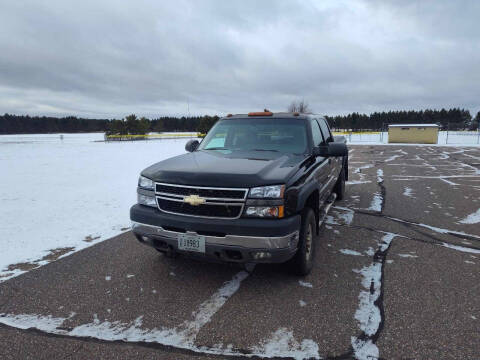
[276,135]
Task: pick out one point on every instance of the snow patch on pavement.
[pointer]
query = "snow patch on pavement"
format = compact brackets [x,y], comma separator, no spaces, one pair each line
[283,344]
[364,350]
[359,169]
[350,252]
[472,218]
[408,192]
[376,204]
[461,248]
[342,217]
[305,284]
[379,175]
[393,157]
[29,321]
[356,182]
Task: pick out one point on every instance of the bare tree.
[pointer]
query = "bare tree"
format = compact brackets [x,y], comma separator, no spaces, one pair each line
[300,106]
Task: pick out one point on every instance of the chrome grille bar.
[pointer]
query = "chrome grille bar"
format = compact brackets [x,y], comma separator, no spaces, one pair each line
[213,207]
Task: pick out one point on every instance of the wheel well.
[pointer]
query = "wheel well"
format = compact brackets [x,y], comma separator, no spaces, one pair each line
[313,203]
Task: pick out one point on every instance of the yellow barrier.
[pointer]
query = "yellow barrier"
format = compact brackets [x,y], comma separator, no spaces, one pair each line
[355,132]
[152,136]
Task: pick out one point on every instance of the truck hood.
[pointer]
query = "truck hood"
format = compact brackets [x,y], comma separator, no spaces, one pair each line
[215,168]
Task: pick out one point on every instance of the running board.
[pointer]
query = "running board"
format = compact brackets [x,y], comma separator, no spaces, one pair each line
[326,208]
[331,199]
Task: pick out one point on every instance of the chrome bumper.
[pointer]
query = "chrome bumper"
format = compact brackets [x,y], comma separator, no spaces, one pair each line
[250,242]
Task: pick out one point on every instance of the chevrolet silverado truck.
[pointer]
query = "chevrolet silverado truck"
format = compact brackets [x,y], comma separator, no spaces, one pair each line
[254,190]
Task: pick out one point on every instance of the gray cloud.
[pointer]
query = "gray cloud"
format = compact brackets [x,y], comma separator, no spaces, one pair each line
[110,58]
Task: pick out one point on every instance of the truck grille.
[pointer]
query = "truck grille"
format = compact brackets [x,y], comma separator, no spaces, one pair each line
[217,193]
[219,202]
[206,210]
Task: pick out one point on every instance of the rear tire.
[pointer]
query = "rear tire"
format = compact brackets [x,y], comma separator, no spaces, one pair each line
[302,262]
[339,188]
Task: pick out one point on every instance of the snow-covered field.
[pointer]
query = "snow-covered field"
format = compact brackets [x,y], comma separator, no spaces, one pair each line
[71,193]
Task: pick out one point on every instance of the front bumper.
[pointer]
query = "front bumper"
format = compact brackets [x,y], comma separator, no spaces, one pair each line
[237,240]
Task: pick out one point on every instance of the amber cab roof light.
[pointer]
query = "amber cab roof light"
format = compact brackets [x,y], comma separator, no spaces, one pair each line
[261,113]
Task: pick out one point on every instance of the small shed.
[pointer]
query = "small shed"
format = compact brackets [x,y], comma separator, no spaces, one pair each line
[413,133]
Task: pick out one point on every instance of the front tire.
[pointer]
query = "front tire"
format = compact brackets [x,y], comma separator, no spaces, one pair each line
[302,262]
[339,188]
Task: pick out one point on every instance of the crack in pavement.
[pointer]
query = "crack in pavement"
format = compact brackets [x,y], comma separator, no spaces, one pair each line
[410,225]
[371,312]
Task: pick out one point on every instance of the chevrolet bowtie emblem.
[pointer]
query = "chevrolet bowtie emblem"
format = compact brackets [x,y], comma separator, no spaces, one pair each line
[194,200]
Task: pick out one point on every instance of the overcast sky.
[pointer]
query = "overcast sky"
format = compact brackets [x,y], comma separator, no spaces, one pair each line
[109,58]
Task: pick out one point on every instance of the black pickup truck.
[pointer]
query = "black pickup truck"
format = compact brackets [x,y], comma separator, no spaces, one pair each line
[256,189]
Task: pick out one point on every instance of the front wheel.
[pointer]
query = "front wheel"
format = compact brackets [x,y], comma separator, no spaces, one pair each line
[302,262]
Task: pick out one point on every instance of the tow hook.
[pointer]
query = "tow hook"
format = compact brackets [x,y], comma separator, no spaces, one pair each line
[171,253]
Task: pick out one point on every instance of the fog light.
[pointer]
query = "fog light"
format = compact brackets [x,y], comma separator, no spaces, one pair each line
[293,240]
[259,255]
[146,200]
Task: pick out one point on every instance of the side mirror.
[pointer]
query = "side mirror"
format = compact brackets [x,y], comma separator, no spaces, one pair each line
[331,149]
[337,149]
[191,145]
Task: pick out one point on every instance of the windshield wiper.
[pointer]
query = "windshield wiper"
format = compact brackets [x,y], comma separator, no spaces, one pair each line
[263,150]
[216,148]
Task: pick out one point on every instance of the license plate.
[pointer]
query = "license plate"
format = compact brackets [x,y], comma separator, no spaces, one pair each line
[191,242]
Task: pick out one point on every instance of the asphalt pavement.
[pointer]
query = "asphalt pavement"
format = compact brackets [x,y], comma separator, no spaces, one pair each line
[396,277]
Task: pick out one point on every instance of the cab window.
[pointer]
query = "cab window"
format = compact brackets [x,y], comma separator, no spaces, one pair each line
[327,135]
[316,133]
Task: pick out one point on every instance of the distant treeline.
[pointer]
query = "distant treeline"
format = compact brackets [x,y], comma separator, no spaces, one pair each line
[24,124]
[453,119]
[132,125]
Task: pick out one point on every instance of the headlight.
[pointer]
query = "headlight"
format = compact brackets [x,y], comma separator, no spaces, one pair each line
[146,183]
[265,211]
[269,192]
[146,200]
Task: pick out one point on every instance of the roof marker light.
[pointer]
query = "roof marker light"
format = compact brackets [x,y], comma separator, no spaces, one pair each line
[261,113]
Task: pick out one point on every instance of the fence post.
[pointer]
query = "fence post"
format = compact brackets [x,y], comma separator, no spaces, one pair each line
[448,129]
